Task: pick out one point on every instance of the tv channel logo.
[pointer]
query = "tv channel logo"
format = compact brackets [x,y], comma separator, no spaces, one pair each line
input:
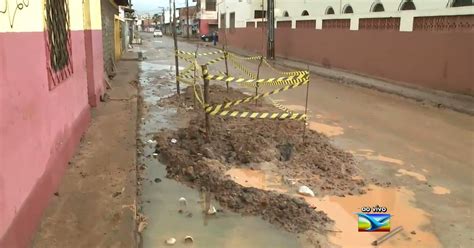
[373,222]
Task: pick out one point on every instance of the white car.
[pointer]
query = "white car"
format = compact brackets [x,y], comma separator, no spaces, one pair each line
[157,33]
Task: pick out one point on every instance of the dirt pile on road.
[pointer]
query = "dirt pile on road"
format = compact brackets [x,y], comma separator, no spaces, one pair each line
[244,142]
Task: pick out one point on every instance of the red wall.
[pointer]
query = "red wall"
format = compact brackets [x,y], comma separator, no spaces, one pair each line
[437,60]
[39,127]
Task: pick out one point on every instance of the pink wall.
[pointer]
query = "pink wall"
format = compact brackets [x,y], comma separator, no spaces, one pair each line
[95,65]
[437,60]
[39,128]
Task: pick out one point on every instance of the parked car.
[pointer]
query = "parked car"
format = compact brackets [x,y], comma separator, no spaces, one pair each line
[208,37]
[157,33]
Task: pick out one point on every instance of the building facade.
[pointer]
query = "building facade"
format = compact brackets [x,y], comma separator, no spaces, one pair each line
[51,74]
[391,40]
[207,16]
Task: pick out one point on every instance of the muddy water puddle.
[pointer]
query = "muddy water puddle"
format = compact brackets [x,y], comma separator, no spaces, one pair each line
[398,201]
[159,195]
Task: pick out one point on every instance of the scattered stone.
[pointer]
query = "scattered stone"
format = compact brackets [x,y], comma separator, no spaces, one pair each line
[182,201]
[413,232]
[304,190]
[212,210]
[142,226]
[157,180]
[115,194]
[155,155]
[170,241]
[56,193]
[188,239]
[286,150]
[174,141]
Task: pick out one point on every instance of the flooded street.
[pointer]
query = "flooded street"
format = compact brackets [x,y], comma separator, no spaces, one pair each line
[160,195]
[422,157]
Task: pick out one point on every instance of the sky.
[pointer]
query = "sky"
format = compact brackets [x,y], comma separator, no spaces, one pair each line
[151,6]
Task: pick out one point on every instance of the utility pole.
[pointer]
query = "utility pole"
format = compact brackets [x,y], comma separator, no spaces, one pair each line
[271,29]
[187,19]
[175,38]
[170,19]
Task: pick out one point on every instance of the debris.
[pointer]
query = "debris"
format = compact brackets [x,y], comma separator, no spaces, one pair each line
[142,226]
[182,201]
[387,236]
[304,190]
[151,141]
[115,194]
[157,180]
[189,215]
[413,232]
[174,141]
[188,239]
[212,210]
[56,193]
[155,154]
[170,241]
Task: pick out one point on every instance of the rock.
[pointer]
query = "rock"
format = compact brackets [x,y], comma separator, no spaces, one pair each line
[413,232]
[142,226]
[188,239]
[182,201]
[170,241]
[157,180]
[212,210]
[286,150]
[304,190]
[115,194]
[174,141]
[56,193]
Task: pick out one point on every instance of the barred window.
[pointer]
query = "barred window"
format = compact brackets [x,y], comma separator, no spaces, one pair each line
[58,41]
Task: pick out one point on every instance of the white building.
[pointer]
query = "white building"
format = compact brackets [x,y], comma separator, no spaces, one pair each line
[236,13]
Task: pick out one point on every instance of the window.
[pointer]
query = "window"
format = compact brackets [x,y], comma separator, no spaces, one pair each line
[461,3]
[286,14]
[223,23]
[329,11]
[377,7]
[58,41]
[407,5]
[259,14]
[348,9]
[211,5]
[232,21]
[305,13]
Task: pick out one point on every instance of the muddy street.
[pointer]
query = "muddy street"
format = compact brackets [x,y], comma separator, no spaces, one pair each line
[410,158]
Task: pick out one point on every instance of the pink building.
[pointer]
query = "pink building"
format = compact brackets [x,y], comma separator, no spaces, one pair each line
[51,73]
[207,16]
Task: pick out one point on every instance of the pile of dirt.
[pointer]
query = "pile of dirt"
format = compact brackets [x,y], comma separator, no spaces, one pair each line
[313,162]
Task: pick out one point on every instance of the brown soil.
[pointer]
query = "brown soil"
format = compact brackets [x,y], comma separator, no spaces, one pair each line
[245,142]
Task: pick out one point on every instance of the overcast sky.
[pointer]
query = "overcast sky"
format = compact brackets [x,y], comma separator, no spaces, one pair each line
[151,6]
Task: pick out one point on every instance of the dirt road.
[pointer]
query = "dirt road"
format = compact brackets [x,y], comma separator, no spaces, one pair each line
[92,207]
[424,153]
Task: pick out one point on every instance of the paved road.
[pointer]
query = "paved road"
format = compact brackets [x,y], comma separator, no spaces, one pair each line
[424,152]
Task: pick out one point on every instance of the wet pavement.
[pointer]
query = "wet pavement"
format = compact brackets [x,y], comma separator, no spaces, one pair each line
[160,195]
[425,153]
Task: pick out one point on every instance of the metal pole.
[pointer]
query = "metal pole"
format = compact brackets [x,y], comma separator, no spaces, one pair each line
[271,29]
[206,99]
[175,48]
[387,236]
[187,19]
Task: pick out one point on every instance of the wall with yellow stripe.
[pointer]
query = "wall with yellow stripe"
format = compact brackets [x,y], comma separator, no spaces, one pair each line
[28,16]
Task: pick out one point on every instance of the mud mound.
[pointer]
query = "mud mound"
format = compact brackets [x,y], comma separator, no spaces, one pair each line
[241,142]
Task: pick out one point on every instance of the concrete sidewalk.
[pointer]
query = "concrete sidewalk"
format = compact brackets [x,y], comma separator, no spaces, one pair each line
[94,204]
[440,99]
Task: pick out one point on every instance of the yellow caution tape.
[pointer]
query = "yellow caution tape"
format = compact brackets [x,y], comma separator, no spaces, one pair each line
[218,107]
[269,81]
[258,115]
